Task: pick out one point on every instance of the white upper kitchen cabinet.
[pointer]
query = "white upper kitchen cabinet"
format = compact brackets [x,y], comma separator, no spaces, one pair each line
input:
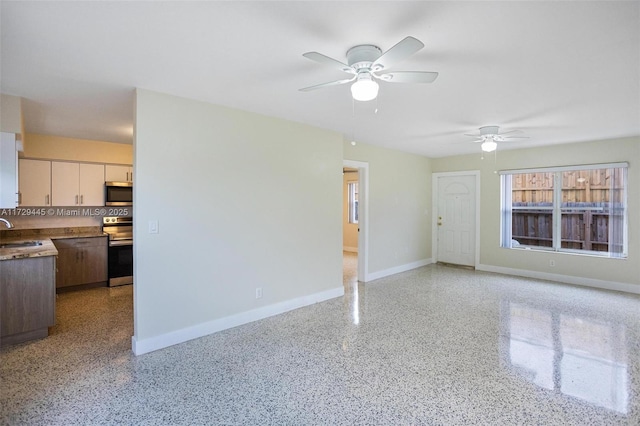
[116,173]
[8,171]
[34,183]
[77,184]
[91,184]
[65,184]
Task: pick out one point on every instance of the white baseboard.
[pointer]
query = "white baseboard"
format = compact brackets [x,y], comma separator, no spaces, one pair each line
[144,346]
[568,279]
[397,269]
[350,249]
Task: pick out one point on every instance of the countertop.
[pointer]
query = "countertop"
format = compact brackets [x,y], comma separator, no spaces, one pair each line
[46,235]
[46,249]
[53,233]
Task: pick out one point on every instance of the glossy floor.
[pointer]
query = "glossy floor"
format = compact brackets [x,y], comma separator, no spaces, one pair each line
[436,345]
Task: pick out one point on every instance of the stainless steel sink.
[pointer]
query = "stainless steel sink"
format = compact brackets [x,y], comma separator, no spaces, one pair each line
[21,244]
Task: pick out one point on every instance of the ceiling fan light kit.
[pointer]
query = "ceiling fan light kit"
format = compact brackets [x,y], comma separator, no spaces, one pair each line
[366,61]
[490,136]
[489,146]
[364,89]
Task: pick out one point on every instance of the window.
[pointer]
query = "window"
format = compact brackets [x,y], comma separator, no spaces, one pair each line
[352,188]
[580,209]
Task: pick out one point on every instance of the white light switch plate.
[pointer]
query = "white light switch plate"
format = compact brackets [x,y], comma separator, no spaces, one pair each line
[153,226]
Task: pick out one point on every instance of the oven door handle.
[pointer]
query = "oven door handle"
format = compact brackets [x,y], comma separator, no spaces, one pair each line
[117,243]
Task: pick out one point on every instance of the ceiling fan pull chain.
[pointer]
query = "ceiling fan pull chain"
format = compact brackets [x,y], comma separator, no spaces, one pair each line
[353,121]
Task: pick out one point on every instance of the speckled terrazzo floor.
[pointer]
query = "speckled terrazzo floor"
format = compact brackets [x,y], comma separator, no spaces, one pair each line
[432,346]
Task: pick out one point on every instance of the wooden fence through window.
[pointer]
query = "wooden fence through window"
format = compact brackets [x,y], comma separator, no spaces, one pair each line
[592,209]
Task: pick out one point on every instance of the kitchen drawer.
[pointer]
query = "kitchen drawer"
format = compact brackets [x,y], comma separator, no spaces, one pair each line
[80,242]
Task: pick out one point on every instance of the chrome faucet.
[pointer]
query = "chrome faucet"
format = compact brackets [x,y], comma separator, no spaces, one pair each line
[9,224]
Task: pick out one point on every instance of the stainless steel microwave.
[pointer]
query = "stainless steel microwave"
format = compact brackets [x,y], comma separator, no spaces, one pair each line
[118,193]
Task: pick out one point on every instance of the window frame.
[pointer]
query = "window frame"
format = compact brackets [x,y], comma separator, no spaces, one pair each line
[506,209]
[352,200]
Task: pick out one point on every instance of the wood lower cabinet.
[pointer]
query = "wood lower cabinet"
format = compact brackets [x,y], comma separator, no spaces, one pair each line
[81,261]
[27,298]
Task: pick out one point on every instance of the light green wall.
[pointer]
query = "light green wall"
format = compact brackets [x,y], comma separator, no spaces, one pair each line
[399,205]
[621,271]
[243,201]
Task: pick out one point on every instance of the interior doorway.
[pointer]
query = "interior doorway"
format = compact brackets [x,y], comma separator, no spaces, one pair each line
[355,224]
[350,216]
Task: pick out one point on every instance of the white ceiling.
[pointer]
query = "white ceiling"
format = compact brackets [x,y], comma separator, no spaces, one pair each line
[559,71]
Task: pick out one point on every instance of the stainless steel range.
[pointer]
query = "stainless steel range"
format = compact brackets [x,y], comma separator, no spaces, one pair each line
[120,231]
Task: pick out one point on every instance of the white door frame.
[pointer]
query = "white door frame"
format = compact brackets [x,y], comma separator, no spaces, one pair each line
[434,215]
[363,216]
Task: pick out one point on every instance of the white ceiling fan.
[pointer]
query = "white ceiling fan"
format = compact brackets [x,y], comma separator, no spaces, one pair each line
[367,64]
[489,136]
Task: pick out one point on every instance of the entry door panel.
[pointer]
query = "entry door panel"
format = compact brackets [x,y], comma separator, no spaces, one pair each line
[456,220]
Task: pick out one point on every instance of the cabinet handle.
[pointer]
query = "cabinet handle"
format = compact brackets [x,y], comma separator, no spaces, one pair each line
[76,199]
[82,199]
[46,199]
[19,197]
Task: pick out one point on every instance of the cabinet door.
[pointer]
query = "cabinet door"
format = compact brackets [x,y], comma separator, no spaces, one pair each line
[34,182]
[94,263]
[68,271]
[114,173]
[27,295]
[9,175]
[91,184]
[65,184]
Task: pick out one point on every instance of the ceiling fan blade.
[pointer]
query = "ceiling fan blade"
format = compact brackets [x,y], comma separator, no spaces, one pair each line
[473,136]
[325,60]
[405,48]
[506,138]
[329,84]
[409,77]
[511,131]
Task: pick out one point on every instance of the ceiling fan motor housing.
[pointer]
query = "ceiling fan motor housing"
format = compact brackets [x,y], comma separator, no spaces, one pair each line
[362,56]
[489,130]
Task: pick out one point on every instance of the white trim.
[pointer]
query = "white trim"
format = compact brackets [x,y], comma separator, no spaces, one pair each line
[363,216]
[350,249]
[566,168]
[434,210]
[397,269]
[567,279]
[199,330]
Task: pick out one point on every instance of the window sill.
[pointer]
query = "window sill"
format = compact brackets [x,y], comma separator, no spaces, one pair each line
[568,252]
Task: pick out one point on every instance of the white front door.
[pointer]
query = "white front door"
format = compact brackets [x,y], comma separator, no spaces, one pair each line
[456,220]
